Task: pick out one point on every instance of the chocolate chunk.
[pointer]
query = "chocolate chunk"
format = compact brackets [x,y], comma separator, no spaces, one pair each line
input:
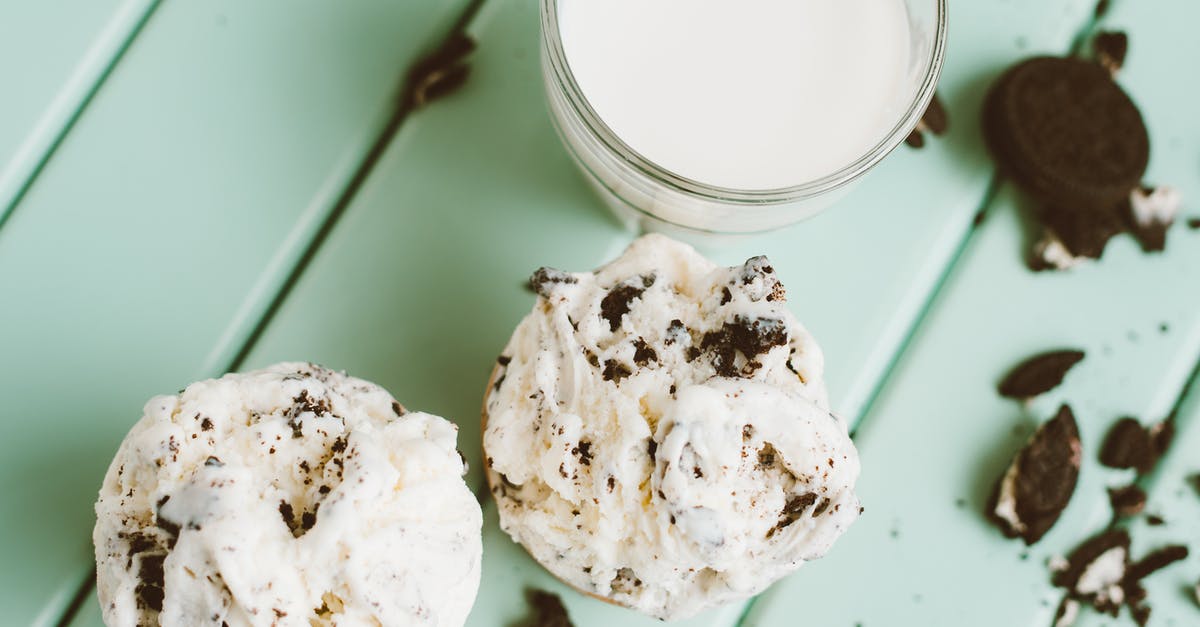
[151,582]
[749,336]
[1129,500]
[1110,48]
[767,287]
[584,451]
[1133,591]
[206,424]
[398,409]
[1155,561]
[1130,445]
[915,139]
[726,296]
[675,332]
[642,353]
[793,509]
[304,404]
[1039,374]
[615,371]
[140,543]
[1039,483]
[288,513]
[439,73]
[1066,132]
[616,302]
[1193,223]
[1154,520]
[545,280]
[308,519]
[171,527]
[546,610]
[1087,553]
[652,447]
[503,360]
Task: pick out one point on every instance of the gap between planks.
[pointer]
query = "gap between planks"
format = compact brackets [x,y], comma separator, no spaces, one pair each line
[343,200]
[69,104]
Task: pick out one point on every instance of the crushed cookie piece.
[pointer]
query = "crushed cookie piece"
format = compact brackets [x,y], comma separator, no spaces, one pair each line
[1039,374]
[1033,492]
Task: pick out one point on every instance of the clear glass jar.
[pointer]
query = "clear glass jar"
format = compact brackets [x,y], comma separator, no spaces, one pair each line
[647,196]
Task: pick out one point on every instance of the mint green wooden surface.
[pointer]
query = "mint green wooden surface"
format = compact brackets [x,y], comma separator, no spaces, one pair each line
[151,244]
[148,247]
[50,65]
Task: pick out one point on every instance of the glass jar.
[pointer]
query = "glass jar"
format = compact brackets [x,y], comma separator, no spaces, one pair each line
[647,196]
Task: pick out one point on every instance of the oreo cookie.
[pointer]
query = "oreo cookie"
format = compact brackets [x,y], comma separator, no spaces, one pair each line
[1110,48]
[1094,571]
[1130,445]
[1036,488]
[1085,231]
[1127,501]
[1066,133]
[546,609]
[1038,374]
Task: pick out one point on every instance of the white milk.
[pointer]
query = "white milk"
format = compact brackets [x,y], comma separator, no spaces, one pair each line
[743,94]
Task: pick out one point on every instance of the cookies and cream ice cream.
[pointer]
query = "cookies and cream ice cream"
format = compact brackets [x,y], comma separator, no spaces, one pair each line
[287,496]
[658,434]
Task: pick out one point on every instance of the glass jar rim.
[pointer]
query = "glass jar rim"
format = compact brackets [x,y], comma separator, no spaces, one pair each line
[557,58]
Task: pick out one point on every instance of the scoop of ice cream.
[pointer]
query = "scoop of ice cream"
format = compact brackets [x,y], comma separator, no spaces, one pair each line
[288,496]
[658,433]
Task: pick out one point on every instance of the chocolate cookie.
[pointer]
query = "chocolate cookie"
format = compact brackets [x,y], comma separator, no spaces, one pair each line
[1065,132]
[1130,445]
[1038,374]
[1035,490]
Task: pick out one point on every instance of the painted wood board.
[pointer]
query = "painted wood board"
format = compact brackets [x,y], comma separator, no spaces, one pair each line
[53,54]
[156,236]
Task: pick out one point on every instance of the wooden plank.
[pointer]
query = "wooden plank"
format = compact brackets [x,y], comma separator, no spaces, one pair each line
[939,433]
[155,238]
[420,284]
[49,66]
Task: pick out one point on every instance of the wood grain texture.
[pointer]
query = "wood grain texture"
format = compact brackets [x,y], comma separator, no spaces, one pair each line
[53,55]
[155,237]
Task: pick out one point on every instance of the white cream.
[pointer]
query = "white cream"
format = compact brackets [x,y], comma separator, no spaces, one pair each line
[1101,579]
[287,496]
[658,432]
[743,94]
[1157,206]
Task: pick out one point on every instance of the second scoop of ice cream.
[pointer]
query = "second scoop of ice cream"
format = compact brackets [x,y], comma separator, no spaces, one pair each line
[658,432]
